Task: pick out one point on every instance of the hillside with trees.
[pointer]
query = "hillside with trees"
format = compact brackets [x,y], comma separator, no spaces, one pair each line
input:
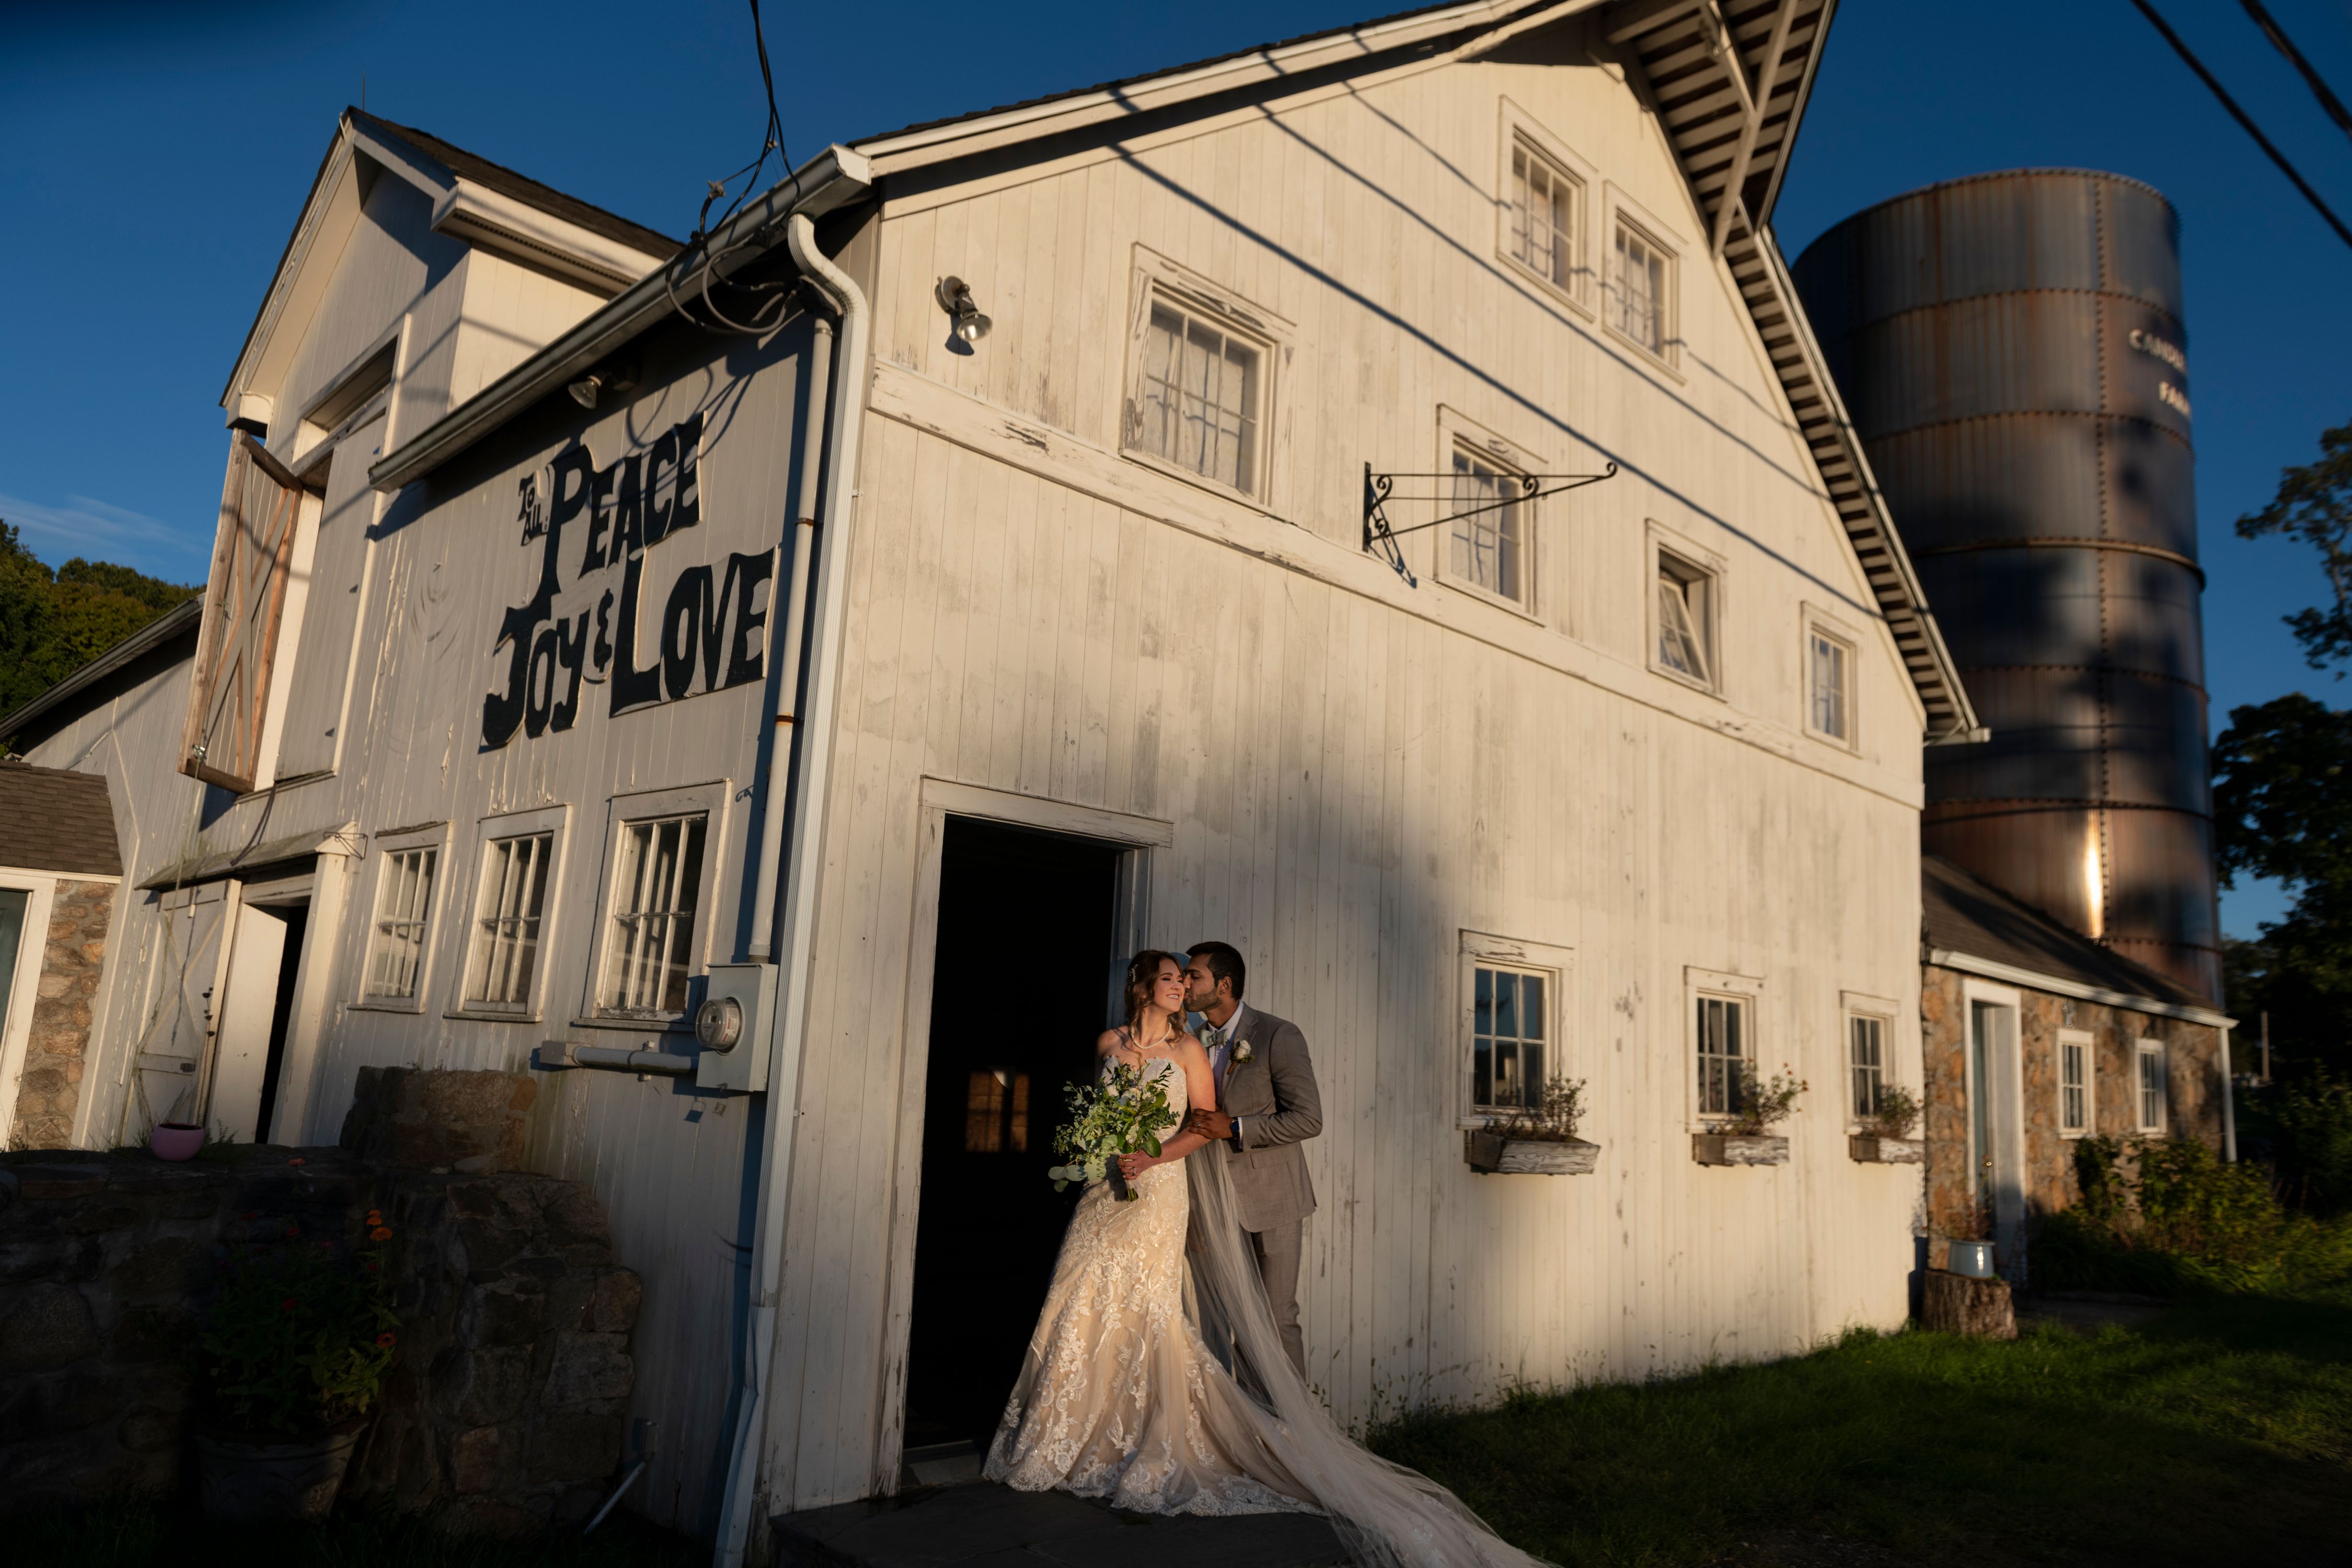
[52,622]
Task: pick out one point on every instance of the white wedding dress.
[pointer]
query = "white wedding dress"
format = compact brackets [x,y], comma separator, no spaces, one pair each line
[1118,1397]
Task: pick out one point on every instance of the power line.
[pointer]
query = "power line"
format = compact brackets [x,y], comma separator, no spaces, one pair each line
[2241,116]
[2285,46]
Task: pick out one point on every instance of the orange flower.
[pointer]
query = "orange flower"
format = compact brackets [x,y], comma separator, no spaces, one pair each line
[376,1216]
[286,1305]
[384,1342]
[297,1162]
[381,1233]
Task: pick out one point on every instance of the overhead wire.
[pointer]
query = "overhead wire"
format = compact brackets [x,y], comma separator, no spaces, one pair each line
[698,245]
[2242,118]
[2333,105]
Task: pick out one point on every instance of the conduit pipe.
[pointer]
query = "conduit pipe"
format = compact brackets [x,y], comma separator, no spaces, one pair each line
[756,1411]
[779,759]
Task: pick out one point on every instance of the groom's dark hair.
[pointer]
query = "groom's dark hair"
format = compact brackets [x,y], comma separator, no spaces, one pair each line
[1225,962]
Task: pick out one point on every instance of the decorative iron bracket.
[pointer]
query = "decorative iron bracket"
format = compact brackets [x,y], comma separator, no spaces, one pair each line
[1381,489]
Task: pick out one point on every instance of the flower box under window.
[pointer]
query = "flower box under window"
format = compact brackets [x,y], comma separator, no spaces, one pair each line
[1492,1154]
[1739,1149]
[1870,1149]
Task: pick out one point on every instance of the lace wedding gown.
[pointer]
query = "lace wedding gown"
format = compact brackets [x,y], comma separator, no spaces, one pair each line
[1118,1397]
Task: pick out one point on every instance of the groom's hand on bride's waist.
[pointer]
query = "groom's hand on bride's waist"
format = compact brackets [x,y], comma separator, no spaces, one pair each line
[1214,1125]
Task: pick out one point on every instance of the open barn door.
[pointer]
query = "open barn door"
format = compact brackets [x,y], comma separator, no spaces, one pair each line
[229,691]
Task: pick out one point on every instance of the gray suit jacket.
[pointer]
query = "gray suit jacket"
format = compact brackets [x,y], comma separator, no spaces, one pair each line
[1275,1094]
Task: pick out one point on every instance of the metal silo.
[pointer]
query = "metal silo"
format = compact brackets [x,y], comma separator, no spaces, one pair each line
[2010,349]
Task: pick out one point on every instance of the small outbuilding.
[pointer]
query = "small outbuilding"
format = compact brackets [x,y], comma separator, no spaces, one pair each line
[60,865]
[2034,1036]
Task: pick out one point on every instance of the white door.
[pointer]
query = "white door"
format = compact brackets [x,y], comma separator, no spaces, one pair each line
[247,1009]
[1996,1120]
[178,1045]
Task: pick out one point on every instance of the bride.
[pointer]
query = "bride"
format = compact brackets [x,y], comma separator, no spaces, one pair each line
[1120,1397]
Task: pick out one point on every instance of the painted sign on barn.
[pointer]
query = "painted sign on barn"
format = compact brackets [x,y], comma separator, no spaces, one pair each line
[708,634]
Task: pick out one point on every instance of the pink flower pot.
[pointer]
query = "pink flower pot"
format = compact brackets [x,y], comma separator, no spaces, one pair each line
[175,1140]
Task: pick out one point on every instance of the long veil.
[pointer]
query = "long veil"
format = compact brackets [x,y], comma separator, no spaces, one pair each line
[1386,1516]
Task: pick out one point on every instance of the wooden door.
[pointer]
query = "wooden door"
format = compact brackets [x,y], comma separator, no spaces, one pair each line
[244,1010]
[177,1047]
[320,667]
[230,688]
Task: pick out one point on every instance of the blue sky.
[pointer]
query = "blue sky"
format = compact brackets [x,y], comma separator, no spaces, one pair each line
[157,155]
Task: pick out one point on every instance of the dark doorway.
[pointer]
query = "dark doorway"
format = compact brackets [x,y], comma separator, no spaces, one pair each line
[281,1017]
[1018,994]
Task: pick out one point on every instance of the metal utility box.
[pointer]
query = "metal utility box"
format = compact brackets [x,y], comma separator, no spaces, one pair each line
[731,1026]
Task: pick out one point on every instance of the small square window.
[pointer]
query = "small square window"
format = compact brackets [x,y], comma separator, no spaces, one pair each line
[996,1112]
[1685,613]
[1724,1053]
[1829,685]
[1510,1031]
[1487,540]
[2073,1083]
[508,909]
[1867,1057]
[1542,199]
[1201,402]
[649,941]
[2150,1084]
[404,908]
[1640,276]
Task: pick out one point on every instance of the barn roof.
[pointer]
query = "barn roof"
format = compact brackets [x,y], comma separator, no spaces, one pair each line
[55,820]
[1964,919]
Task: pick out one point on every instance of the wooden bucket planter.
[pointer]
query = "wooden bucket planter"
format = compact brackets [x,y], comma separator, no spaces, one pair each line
[1492,1154]
[1739,1149]
[1874,1151]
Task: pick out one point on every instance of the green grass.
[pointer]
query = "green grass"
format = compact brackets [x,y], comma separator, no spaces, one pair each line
[2220,1432]
[139,1535]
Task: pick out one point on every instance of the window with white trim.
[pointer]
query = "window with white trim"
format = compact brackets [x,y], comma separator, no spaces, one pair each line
[1201,401]
[1487,542]
[509,906]
[650,939]
[1829,684]
[1726,1048]
[403,909]
[2149,1083]
[1543,201]
[2075,1107]
[1687,593]
[1510,1034]
[1865,1037]
[1641,291]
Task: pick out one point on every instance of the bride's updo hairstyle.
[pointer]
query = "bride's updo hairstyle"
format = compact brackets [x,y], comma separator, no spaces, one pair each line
[1142,974]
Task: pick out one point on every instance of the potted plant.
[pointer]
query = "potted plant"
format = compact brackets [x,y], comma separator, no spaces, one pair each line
[1745,1138]
[294,1351]
[1884,1135]
[1539,1139]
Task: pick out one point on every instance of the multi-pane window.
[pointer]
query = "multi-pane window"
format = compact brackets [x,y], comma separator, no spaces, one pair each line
[507,913]
[1639,299]
[996,1112]
[1685,622]
[404,906]
[650,944]
[1509,1026]
[2073,1082]
[1489,529]
[1866,1054]
[1543,216]
[1828,675]
[1199,405]
[1723,1051]
[2151,1086]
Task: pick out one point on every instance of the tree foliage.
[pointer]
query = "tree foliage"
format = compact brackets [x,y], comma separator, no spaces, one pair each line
[53,623]
[2314,503]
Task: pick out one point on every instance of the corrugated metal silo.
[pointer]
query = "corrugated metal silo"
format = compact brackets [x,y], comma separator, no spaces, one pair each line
[2010,348]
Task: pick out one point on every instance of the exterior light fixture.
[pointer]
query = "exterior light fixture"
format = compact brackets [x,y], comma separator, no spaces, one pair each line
[954,295]
[608,377]
[584,391]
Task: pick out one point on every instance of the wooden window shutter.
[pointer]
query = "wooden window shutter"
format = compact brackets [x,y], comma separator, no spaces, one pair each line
[229,688]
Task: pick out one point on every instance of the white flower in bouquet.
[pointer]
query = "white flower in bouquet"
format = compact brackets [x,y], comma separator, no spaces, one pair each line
[1121,1115]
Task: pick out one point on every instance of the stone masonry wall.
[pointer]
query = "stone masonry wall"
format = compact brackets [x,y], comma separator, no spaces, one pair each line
[2193,1060]
[505,1410]
[73,956]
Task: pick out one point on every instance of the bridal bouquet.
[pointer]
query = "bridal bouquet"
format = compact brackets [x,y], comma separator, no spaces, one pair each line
[1120,1115]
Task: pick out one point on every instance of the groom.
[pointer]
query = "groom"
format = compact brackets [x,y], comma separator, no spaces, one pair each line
[1266,1107]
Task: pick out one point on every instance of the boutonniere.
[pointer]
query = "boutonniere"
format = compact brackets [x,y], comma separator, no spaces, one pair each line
[1242,1051]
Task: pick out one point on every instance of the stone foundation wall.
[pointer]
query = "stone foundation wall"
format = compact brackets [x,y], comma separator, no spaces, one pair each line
[73,957]
[2193,1062]
[505,1410]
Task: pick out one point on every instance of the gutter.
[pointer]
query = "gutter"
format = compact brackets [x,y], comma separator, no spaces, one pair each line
[833,179]
[1944,957]
[757,1411]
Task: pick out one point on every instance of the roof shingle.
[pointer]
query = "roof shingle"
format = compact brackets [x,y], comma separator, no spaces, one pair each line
[55,820]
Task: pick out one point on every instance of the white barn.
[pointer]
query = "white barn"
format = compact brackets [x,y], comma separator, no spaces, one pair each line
[1095,649]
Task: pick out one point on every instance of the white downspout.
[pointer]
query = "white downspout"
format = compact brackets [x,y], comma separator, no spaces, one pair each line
[2229,1103]
[780,751]
[757,1411]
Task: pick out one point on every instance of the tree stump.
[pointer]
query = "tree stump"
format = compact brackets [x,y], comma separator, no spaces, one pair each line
[1956,1304]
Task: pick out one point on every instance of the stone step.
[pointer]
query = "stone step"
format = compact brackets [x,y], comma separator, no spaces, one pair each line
[940,1526]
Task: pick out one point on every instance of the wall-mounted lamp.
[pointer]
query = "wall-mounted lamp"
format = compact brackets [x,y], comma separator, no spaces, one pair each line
[954,295]
[611,378]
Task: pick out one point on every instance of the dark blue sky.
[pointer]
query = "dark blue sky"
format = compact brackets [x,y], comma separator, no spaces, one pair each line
[157,154]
